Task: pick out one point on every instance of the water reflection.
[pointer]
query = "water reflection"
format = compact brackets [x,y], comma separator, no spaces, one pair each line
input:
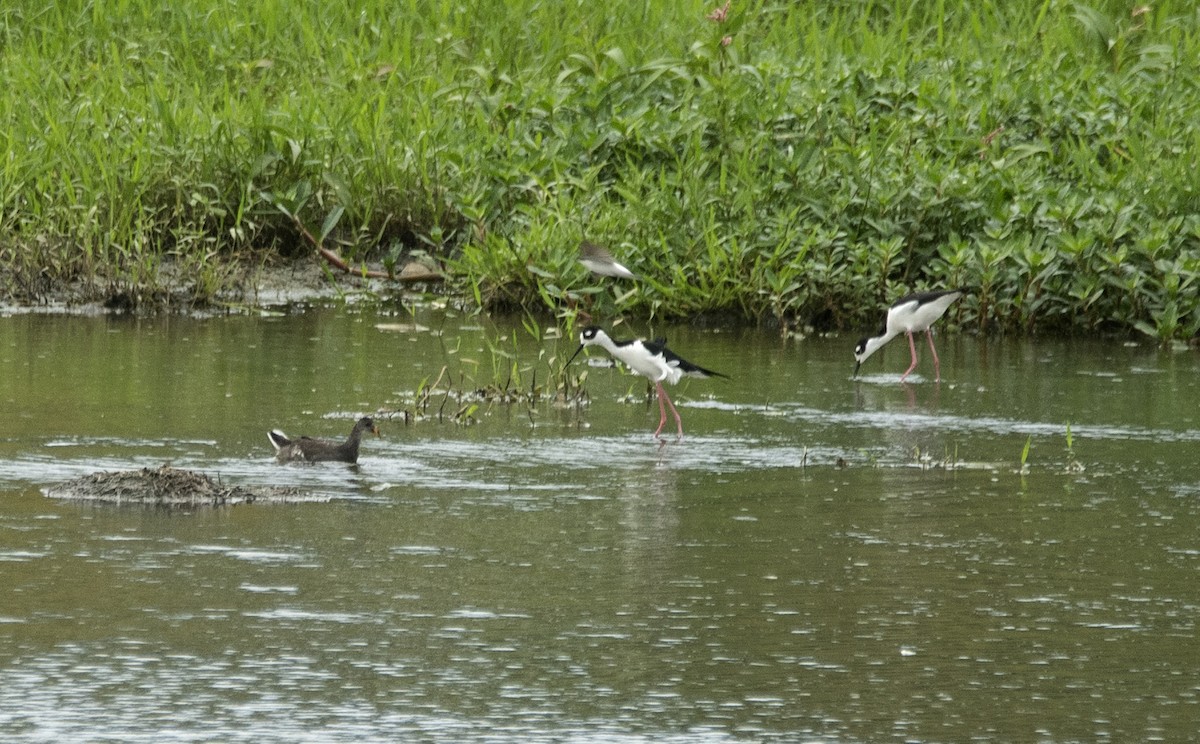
[561,575]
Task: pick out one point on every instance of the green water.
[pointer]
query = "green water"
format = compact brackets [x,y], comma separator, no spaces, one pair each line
[819,559]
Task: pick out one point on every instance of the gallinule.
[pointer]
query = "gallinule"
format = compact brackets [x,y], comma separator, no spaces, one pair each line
[321,450]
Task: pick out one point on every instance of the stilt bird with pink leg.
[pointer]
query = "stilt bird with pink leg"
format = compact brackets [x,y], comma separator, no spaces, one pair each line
[909,315]
[650,359]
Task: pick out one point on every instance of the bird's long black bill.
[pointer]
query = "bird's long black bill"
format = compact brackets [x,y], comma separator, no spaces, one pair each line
[856,366]
[568,364]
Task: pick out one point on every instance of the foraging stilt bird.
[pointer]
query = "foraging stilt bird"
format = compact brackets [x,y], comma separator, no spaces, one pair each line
[909,315]
[650,359]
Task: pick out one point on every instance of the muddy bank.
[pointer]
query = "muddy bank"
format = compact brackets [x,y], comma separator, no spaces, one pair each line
[169,488]
[272,284]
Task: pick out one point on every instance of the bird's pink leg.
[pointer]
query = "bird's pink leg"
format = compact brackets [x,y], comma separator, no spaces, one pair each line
[662,409]
[937,370]
[662,396]
[913,350]
[678,421]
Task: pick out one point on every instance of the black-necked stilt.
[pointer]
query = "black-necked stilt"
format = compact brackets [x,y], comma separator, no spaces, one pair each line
[650,359]
[599,261]
[321,450]
[911,314]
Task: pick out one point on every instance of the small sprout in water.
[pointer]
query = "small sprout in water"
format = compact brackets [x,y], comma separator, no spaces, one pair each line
[1025,454]
[1073,464]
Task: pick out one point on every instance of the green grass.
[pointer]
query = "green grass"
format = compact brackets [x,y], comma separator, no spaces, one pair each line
[830,157]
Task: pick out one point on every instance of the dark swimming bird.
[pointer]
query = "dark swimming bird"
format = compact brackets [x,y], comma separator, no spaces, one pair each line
[909,315]
[650,359]
[308,449]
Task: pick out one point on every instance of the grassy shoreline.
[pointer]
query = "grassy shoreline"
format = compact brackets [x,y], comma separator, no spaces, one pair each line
[819,162]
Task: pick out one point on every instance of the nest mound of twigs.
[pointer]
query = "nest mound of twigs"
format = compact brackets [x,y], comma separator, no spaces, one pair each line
[166,487]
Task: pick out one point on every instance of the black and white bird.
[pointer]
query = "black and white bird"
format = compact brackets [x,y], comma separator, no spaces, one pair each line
[909,315]
[650,359]
[307,449]
[598,260]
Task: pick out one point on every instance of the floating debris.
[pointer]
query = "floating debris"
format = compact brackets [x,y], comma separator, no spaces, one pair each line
[167,487]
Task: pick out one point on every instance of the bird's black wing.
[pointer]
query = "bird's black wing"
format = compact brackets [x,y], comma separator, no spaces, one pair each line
[656,346]
[689,369]
[922,298]
[659,346]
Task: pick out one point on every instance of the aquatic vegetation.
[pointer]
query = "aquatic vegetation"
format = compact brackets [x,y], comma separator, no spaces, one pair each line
[924,459]
[1024,469]
[793,165]
[166,487]
[1073,464]
[455,404]
[517,370]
